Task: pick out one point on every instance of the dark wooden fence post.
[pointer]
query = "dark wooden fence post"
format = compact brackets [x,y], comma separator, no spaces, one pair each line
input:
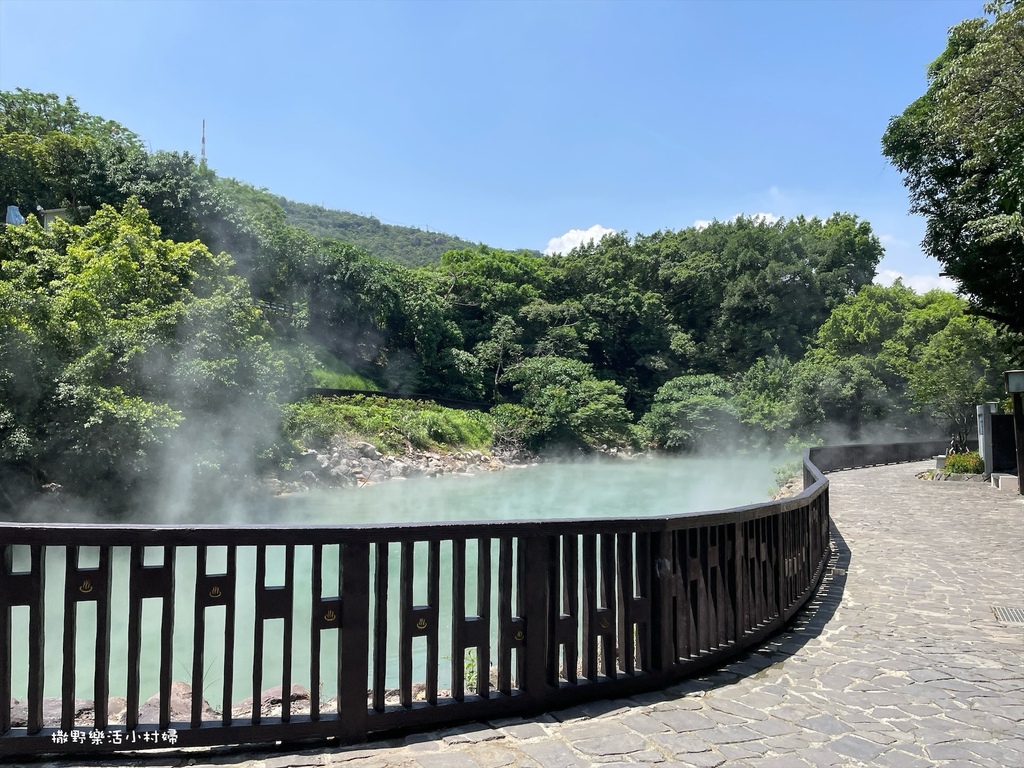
[539,572]
[662,598]
[355,642]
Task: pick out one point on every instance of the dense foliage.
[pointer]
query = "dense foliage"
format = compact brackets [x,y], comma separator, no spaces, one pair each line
[159,336]
[118,348]
[961,148]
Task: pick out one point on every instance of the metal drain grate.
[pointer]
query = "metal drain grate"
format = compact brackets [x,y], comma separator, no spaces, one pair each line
[1009,614]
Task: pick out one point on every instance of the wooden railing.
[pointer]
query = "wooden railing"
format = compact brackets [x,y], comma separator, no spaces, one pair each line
[507,618]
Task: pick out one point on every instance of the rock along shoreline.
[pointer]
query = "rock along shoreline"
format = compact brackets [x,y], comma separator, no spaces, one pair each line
[357,464]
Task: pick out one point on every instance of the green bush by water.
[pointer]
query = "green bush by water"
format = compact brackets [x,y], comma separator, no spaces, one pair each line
[390,425]
[965,463]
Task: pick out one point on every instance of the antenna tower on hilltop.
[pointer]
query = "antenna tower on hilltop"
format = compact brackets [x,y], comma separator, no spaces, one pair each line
[202,150]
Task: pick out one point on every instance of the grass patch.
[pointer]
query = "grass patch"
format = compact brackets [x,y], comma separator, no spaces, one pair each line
[391,426]
[332,373]
[325,378]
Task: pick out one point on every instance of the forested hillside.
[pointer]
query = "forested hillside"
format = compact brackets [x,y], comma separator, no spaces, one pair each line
[134,353]
[408,246]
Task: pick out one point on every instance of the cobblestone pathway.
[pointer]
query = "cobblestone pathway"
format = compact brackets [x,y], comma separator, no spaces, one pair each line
[900,661]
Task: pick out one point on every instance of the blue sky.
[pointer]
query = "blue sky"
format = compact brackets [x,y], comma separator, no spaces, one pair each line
[514,123]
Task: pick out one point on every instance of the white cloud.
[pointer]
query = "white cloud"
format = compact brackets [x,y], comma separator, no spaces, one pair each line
[920,283]
[760,218]
[575,237]
[890,241]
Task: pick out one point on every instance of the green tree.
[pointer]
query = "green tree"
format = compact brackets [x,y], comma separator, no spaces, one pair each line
[53,154]
[501,350]
[842,392]
[959,368]
[116,345]
[692,413]
[961,149]
[563,403]
[765,400]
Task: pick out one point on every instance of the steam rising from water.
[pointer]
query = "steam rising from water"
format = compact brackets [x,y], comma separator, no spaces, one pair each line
[642,487]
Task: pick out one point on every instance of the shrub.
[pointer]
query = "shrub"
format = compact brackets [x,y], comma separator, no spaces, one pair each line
[390,425]
[965,463]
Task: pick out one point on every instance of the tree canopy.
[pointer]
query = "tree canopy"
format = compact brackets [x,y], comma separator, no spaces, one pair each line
[961,149]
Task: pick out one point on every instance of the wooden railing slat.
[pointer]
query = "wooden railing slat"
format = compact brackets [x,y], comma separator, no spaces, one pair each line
[6,644]
[230,587]
[198,639]
[433,596]
[483,612]
[315,647]
[380,625]
[353,669]
[101,664]
[167,639]
[506,619]
[459,619]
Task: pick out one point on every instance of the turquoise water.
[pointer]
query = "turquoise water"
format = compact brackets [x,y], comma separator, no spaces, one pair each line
[640,487]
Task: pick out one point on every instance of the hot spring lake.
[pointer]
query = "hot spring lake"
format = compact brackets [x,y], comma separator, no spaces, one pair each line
[612,488]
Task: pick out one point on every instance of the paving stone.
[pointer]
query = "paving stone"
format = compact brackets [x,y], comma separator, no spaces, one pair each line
[742,751]
[820,756]
[681,722]
[706,760]
[470,734]
[855,746]
[794,741]
[524,731]
[827,724]
[723,718]
[287,761]
[795,714]
[345,755]
[738,709]
[495,758]
[897,758]
[774,728]
[648,757]
[951,751]
[680,743]
[729,735]
[446,759]
[612,744]
[644,723]
[779,761]
[552,754]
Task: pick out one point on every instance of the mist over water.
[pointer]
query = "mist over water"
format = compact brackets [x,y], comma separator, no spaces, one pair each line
[641,487]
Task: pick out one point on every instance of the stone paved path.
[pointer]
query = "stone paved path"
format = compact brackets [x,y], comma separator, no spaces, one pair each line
[899,662]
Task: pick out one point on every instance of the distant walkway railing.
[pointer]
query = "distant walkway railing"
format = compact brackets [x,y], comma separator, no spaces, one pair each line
[505,618]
